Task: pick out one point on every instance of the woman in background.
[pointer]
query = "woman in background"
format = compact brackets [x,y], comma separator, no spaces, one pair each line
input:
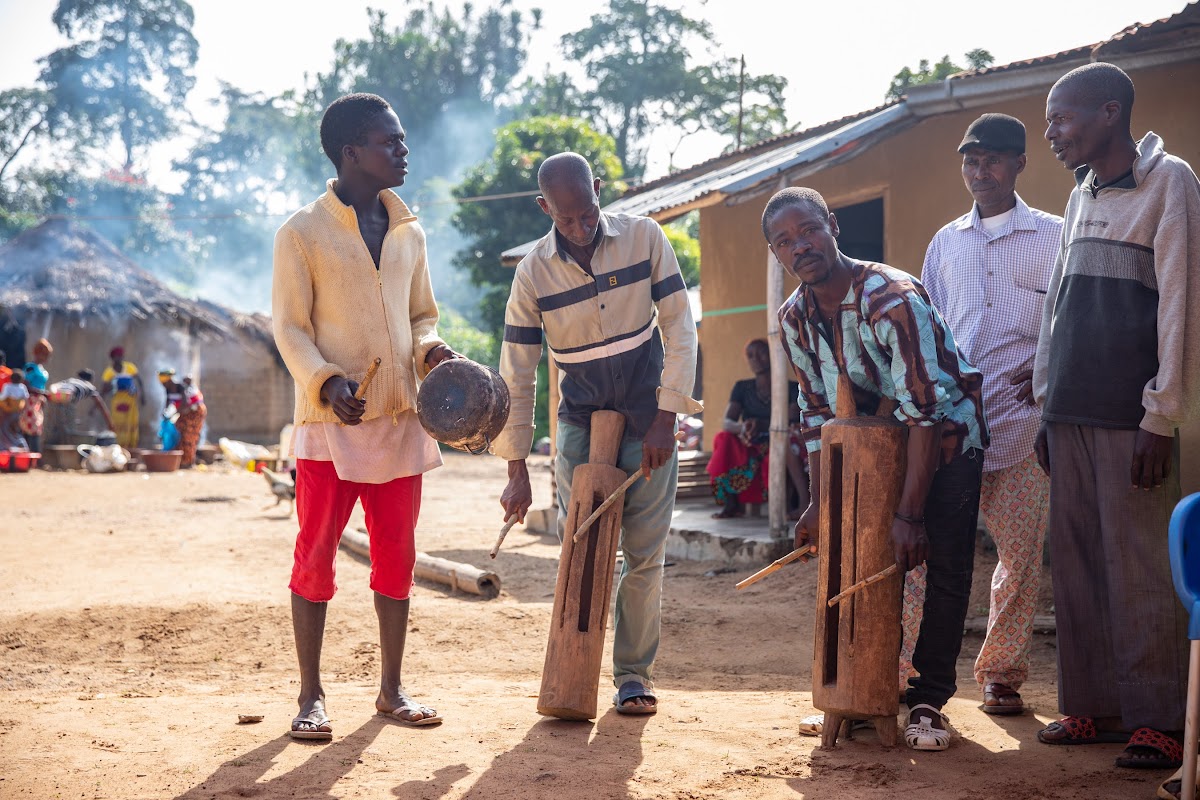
[739,459]
[122,380]
[33,418]
[192,413]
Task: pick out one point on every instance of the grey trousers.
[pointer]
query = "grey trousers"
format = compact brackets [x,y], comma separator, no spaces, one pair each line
[1122,632]
[645,523]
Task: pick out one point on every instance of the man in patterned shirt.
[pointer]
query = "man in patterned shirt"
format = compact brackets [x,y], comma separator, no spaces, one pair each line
[987,274]
[876,325]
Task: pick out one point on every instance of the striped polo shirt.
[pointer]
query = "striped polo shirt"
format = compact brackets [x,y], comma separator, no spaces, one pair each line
[622,337]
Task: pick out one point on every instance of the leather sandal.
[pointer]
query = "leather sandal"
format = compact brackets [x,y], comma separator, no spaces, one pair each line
[995,696]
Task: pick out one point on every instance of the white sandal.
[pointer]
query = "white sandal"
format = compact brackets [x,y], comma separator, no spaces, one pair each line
[921,735]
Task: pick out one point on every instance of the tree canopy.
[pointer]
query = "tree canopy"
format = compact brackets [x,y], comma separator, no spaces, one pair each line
[125,73]
[906,77]
[649,63]
[493,226]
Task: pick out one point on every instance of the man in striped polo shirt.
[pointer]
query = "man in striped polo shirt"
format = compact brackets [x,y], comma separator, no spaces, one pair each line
[987,273]
[605,292]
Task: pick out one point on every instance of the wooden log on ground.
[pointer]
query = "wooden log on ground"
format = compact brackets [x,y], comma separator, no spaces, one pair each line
[465,577]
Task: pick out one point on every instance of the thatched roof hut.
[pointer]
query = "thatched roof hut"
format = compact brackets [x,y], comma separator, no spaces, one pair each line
[64,281]
[65,268]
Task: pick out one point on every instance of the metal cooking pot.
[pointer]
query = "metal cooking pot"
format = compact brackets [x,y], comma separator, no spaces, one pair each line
[463,404]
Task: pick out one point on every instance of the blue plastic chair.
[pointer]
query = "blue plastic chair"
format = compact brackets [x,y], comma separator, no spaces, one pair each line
[1184,545]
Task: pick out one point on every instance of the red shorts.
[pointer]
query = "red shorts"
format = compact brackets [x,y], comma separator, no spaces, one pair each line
[323,504]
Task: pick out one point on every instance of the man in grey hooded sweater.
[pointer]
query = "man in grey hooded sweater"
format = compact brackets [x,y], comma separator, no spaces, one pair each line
[1117,372]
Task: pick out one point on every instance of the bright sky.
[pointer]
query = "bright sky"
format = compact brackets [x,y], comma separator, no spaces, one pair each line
[838,57]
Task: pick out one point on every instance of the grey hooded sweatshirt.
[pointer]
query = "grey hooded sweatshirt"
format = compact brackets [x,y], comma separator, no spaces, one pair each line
[1120,339]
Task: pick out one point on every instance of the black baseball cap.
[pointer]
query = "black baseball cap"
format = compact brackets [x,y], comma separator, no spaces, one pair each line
[995,132]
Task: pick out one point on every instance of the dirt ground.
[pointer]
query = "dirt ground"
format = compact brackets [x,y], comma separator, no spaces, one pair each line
[143,613]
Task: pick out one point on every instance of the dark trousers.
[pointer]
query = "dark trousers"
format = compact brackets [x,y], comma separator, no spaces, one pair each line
[1122,632]
[951,516]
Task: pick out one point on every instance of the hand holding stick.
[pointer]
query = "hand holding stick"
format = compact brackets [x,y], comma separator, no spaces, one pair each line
[361,391]
[508,524]
[612,498]
[858,587]
[775,566]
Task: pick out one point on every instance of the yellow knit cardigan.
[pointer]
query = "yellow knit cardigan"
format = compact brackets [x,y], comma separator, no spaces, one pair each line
[334,313]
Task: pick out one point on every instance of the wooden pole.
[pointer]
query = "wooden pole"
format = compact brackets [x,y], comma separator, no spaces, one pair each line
[777,472]
[465,577]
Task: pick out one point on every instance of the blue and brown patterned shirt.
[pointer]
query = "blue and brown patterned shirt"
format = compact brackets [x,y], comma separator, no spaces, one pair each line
[891,342]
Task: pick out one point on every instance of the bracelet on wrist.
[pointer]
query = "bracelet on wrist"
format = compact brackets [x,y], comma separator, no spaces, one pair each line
[910,520]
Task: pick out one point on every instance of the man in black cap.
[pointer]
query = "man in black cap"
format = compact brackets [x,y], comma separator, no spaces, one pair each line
[987,274]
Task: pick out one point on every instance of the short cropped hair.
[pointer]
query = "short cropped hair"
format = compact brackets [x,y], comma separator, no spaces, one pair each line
[346,122]
[757,343]
[1098,83]
[792,196]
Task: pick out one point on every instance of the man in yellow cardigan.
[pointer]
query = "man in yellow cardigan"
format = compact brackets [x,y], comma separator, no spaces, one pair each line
[351,283]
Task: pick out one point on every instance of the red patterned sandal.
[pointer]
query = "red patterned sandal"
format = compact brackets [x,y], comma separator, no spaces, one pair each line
[1079,730]
[1151,749]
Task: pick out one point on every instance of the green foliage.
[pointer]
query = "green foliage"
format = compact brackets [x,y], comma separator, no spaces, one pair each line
[687,251]
[641,59]
[13,222]
[22,116]
[493,226]
[465,338]
[238,178]
[439,71]
[906,77]
[125,72]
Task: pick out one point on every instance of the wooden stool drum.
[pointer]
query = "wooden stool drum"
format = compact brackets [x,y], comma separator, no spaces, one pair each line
[857,641]
[571,675]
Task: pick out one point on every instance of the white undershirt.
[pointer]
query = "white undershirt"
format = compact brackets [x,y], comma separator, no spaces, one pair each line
[993,224]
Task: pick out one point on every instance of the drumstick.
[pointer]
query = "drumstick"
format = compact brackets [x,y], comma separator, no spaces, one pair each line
[799,552]
[361,391]
[612,498]
[366,381]
[600,509]
[508,524]
[876,578]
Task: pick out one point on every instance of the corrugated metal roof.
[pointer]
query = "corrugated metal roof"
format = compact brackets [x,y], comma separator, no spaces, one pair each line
[681,194]
[795,154]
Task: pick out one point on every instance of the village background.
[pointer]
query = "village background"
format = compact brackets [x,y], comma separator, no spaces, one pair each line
[148,151]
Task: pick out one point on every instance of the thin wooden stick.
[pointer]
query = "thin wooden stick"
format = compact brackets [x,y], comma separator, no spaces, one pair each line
[508,524]
[775,566]
[361,391]
[366,381]
[858,587]
[612,498]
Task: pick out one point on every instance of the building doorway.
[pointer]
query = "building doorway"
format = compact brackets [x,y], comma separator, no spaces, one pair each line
[861,227]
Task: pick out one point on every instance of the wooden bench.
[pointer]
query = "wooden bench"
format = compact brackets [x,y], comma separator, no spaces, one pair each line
[693,480]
